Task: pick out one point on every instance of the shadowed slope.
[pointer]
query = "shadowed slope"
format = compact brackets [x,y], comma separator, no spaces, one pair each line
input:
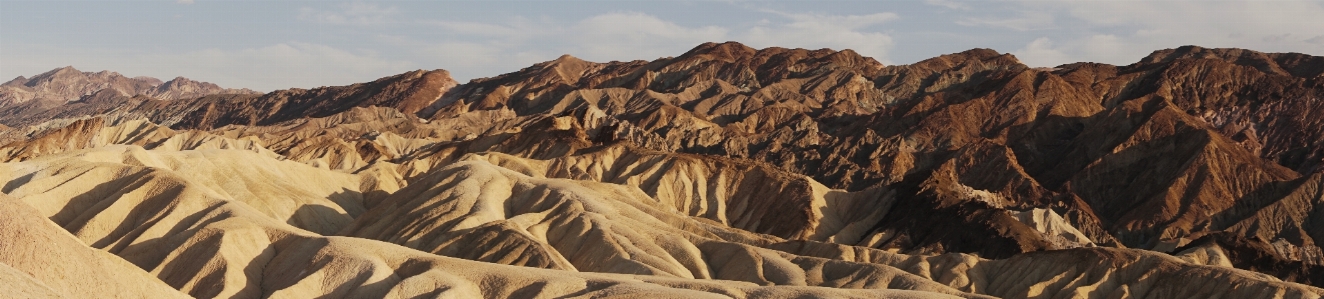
[40,260]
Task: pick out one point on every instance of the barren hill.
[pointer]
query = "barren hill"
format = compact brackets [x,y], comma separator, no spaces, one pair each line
[49,92]
[726,171]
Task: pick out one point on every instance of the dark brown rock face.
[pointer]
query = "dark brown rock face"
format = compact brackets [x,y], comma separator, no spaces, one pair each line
[1144,155]
[1150,155]
[973,152]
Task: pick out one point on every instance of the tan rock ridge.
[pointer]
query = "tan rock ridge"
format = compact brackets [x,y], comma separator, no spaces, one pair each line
[181,216]
[202,231]
[726,170]
[1051,125]
[41,260]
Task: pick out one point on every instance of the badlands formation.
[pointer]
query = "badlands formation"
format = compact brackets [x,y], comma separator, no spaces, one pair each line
[725,172]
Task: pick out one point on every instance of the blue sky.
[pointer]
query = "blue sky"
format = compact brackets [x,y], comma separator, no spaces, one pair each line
[267,45]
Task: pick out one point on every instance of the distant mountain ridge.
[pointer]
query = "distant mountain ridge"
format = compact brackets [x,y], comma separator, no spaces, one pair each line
[67,84]
[967,174]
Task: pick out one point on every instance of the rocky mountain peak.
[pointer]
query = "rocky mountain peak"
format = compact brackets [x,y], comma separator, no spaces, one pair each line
[566,58]
[66,84]
[149,80]
[978,55]
[568,68]
[721,51]
[181,87]
[47,76]
[17,81]
[66,70]
[1279,64]
[820,168]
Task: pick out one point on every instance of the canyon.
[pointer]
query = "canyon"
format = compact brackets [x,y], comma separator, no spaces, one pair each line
[724,172]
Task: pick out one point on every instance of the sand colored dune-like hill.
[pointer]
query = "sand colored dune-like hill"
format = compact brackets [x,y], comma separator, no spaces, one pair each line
[725,172]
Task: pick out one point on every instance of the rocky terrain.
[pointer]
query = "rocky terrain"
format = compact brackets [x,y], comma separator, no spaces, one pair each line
[726,171]
[50,91]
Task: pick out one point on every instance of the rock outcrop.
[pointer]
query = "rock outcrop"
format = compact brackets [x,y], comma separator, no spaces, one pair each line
[48,93]
[725,171]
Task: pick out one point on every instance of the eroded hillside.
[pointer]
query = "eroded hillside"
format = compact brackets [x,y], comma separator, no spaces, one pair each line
[726,171]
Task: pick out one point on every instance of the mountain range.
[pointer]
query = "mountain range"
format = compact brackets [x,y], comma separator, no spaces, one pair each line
[726,171]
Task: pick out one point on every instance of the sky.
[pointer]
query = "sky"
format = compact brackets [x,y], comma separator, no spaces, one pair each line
[269,45]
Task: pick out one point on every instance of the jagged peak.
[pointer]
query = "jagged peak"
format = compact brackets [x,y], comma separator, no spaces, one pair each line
[851,58]
[564,59]
[414,74]
[979,53]
[20,80]
[734,51]
[1198,52]
[71,72]
[568,67]
[976,54]
[67,68]
[946,157]
[439,72]
[730,49]
[1164,55]
[440,76]
[54,72]
[567,58]
[176,82]
[150,80]
[1293,64]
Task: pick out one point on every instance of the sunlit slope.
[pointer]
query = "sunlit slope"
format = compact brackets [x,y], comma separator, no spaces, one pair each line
[205,233]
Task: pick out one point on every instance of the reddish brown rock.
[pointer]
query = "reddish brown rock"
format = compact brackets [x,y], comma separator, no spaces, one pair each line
[972,152]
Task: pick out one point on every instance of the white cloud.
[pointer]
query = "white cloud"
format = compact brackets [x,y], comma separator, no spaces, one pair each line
[357,13]
[950,4]
[464,59]
[632,35]
[283,65]
[1121,32]
[515,29]
[512,44]
[1028,20]
[807,30]
[276,66]
[1041,53]
[331,38]
[516,43]
[469,49]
